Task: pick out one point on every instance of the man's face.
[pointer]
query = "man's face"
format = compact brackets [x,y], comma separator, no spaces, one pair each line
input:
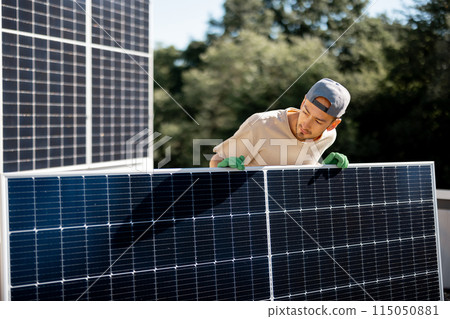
[312,122]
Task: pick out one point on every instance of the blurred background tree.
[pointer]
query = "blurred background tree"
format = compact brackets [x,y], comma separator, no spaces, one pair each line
[265,54]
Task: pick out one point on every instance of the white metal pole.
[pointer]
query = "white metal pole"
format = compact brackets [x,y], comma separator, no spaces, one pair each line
[88,82]
[150,87]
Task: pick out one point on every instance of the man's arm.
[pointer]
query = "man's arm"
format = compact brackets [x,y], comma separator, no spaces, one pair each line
[216,159]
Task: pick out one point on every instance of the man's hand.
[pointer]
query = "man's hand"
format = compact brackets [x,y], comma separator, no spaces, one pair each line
[340,160]
[233,162]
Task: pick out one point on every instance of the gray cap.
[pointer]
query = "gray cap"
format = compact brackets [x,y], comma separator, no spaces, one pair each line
[334,92]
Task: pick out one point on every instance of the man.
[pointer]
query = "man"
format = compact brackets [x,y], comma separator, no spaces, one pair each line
[291,136]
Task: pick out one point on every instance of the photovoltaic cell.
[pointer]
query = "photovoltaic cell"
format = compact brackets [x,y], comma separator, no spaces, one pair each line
[364,233]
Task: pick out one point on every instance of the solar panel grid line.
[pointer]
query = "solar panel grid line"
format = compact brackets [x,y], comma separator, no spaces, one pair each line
[217,229]
[391,268]
[269,245]
[33,110]
[102,13]
[374,205]
[215,264]
[43,37]
[209,198]
[333,229]
[109,127]
[353,285]
[414,261]
[362,284]
[139,54]
[320,264]
[298,225]
[111,36]
[129,247]
[286,183]
[77,43]
[302,239]
[320,248]
[354,245]
[399,203]
[33,105]
[89,82]
[42,18]
[232,242]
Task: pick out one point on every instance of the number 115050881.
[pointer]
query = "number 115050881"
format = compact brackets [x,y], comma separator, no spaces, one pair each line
[382,310]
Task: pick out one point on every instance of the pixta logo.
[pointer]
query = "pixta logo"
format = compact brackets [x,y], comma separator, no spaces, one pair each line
[261,152]
[196,149]
[139,146]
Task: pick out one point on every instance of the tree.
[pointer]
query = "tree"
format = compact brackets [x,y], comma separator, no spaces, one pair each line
[250,15]
[171,115]
[167,71]
[314,17]
[412,102]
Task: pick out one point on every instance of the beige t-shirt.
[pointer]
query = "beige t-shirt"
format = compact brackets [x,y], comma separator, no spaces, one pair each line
[266,139]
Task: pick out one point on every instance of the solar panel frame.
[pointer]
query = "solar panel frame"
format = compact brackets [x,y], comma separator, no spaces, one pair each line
[5,222]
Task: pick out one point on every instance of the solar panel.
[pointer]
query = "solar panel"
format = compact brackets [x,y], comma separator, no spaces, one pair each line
[274,233]
[75,81]
[120,103]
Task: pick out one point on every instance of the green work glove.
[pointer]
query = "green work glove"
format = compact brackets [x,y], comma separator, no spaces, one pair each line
[340,160]
[233,162]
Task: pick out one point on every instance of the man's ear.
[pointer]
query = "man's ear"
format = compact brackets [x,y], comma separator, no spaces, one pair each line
[333,125]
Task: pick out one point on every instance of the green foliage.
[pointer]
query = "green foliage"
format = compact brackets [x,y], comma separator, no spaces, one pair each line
[166,72]
[265,54]
[249,15]
[412,103]
[326,19]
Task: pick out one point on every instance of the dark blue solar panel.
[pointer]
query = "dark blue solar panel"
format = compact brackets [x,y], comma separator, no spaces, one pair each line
[359,234]
[162,236]
[368,228]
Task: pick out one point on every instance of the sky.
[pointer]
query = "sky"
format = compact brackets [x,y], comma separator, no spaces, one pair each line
[178,22]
